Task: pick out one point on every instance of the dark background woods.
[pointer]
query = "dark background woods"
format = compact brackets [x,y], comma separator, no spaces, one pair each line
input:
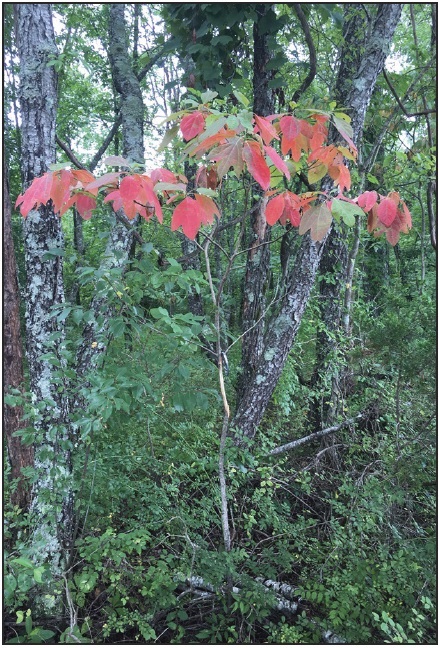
[118,527]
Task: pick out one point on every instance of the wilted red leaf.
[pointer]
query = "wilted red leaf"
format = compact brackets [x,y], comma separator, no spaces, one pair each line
[229,155]
[318,220]
[108,179]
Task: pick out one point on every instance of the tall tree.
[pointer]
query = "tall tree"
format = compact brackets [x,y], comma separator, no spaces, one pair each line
[367,36]
[51,506]
[360,76]
[121,238]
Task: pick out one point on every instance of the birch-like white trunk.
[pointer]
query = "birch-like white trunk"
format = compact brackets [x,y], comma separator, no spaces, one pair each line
[52,506]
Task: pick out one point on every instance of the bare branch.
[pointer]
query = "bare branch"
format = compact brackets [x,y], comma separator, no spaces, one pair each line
[314,435]
[312,52]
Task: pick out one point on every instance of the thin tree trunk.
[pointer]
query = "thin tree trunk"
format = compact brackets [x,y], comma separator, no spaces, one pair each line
[52,523]
[121,239]
[20,455]
[366,43]
[256,278]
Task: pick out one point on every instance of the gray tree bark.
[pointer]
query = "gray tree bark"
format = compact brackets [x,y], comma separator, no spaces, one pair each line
[257,271]
[358,74]
[52,506]
[121,239]
[367,37]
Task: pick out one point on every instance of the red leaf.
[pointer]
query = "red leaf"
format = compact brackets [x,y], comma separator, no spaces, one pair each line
[129,187]
[266,130]
[162,175]
[290,128]
[367,200]
[274,209]
[208,208]
[283,207]
[256,163]
[38,193]
[291,211]
[387,211]
[277,161]
[192,125]
[189,216]
[85,206]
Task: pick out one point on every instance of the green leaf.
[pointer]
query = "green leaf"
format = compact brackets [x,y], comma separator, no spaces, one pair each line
[241,98]
[53,252]
[208,96]
[168,137]
[24,562]
[346,211]
[158,313]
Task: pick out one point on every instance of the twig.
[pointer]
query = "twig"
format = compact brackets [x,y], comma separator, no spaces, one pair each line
[399,102]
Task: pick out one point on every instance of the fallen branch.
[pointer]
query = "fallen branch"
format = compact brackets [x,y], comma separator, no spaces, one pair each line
[314,435]
[284,594]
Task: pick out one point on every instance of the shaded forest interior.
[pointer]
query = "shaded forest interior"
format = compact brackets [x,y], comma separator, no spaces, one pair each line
[219,323]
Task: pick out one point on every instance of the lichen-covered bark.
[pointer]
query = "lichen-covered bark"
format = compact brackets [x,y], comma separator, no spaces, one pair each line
[278,341]
[52,520]
[258,259]
[120,241]
[366,43]
[20,455]
[358,74]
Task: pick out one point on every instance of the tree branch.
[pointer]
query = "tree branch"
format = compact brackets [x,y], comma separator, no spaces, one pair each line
[312,52]
[69,153]
[401,105]
[314,435]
